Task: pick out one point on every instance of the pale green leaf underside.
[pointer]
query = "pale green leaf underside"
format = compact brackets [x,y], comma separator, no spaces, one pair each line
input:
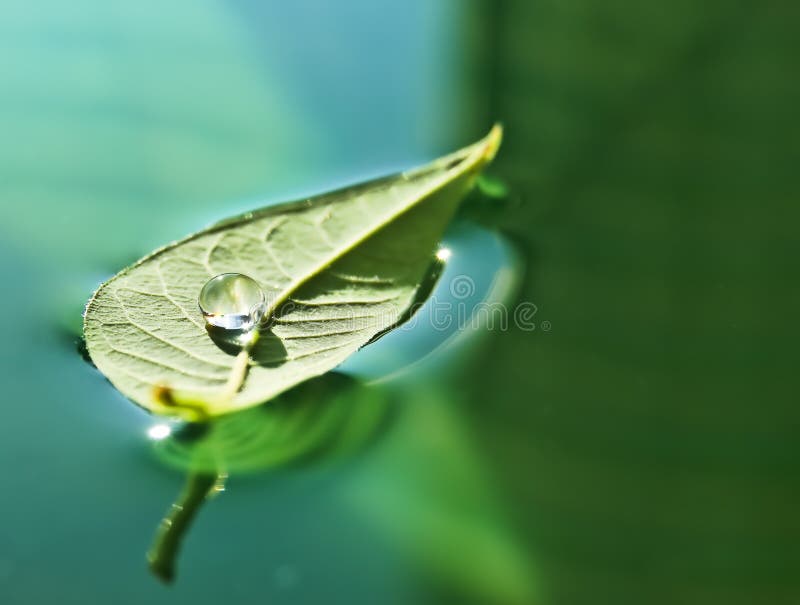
[338,269]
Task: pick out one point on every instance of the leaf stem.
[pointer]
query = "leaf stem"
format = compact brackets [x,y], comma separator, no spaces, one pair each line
[164,551]
[238,374]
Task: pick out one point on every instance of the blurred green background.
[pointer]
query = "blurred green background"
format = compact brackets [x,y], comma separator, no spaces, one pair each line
[642,450]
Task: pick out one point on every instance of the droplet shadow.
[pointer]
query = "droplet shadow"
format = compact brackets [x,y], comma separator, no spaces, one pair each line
[268,350]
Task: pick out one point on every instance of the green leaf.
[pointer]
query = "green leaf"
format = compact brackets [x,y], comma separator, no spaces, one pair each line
[338,270]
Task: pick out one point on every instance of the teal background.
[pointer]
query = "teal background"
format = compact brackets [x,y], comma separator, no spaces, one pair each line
[642,450]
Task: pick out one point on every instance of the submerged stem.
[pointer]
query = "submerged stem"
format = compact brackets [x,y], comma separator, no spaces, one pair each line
[164,551]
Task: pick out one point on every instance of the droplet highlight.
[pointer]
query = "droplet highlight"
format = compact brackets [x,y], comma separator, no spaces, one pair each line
[232,301]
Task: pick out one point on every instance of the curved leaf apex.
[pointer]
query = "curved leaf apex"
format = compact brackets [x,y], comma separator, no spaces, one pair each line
[492,142]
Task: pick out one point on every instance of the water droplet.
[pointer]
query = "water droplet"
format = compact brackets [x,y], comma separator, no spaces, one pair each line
[232,301]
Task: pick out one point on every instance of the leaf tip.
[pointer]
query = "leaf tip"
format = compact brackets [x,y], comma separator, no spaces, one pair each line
[492,142]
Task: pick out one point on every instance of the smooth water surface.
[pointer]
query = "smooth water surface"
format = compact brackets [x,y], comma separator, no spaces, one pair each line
[631,438]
